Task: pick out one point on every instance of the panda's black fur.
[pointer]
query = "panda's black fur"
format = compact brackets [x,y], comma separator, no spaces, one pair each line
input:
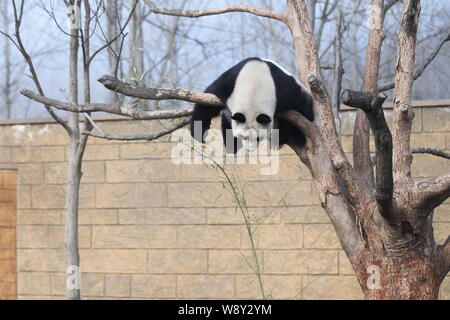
[290,95]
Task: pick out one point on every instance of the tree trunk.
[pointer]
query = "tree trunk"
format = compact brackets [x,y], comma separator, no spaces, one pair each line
[412,276]
[73,179]
[73,291]
[136,68]
[112,14]
[385,227]
[7,62]
[406,279]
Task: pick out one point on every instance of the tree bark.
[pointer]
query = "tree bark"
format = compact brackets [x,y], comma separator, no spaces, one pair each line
[7,64]
[112,15]
[73,177]
[387,236]
[361,130]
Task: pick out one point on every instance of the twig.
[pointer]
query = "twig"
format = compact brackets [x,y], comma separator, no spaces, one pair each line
[435,152]
[419,71]
[147,137]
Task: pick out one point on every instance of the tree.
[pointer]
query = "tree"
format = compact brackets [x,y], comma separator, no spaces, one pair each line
[383,221]
[78,34]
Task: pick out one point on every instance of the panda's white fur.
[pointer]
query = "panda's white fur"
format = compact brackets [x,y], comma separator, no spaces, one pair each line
[254,78]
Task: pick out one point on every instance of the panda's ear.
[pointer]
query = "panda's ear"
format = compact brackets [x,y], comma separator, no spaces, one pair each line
[263,118]
[239,117]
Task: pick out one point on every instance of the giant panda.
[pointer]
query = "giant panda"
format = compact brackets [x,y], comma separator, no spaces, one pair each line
[253,91]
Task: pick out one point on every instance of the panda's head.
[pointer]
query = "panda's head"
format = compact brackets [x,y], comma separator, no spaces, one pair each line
[251,128]
[252,104]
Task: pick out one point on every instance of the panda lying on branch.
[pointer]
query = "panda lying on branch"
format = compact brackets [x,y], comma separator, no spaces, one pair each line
[254,91]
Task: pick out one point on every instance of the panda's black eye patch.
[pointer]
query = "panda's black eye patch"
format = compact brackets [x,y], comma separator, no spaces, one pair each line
[263,118]
[239,117]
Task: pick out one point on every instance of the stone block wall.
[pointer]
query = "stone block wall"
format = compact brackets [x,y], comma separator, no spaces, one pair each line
[151,229]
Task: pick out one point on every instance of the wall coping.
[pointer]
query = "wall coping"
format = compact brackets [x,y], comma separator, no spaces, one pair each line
[111,117]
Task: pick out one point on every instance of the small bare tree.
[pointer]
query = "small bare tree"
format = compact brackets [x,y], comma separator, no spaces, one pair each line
[383,221]
[77,140]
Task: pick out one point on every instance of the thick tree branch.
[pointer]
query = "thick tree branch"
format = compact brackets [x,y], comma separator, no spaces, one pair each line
[147,137]
[403,114]
[431,193]
[334,147]
[331,192]
[131,90]
[208,12]
[338,72]
[322,102]
[434,152]
[115,109]
[419,71]
[372,106]
[361,130]
[322,105]
[308,128]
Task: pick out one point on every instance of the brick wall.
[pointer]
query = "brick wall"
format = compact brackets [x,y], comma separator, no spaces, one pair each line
[151,229]
[8,275]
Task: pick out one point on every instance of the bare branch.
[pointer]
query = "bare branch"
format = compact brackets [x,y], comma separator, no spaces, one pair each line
[328,127]
[19,44]
[361,129]
[300,23]
[136,91]
[113,39]
[147,137]
[208,12]
[372,105]
[435,152]
[338,72]
[111,108]
[404,77]
[419,71]
[431,193]
[322,103]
